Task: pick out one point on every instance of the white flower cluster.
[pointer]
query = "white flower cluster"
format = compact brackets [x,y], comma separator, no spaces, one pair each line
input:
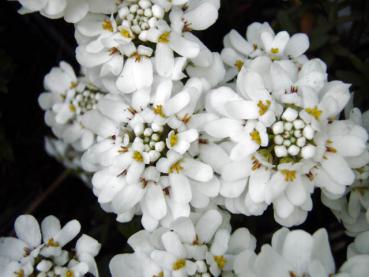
[353,208]
[200,246]
[175,133]
[203,246]
[280,118]
[39,250]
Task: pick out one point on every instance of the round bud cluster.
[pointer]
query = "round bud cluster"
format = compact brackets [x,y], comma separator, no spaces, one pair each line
[153,137]
[293,136]
[139,16]
[82,101]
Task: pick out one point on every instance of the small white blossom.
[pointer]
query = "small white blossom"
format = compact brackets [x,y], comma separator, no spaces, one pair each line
[38,249]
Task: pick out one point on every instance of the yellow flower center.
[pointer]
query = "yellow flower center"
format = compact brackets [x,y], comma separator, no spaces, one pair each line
[221,261]
[125,33]
[274,50]
[20,273]
[164,37]
[72,108]
[239,64]
[107,25]
[73,85]
[289,175]
[176,167]
[263,106]
[158,109]
[173,139]
[255,136]
[51,242]
[179,264]
[314,112]
[69,273]
[161,274]
[138,156]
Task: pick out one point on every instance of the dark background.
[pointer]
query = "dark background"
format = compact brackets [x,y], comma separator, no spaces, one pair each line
[30,45]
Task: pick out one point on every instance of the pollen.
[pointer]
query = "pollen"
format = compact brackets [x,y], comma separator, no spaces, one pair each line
[255,136]
[72,108]
[138,156]
[136,56]
[73,85]
[289,175]
[239,64]
[69,273]
[186,118]
[106,25]
[164,37]
[221,261]
[158,109]
[51,242]
[19,273]
[179,264]
[176,167]
[113,50]
[125,33]
[314,112]
[173,139]
[274,50]
[255,164]
[263,106]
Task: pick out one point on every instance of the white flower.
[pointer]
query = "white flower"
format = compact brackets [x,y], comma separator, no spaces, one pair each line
[39,249]
[352,208]
[66,101]
[292,253]
[72,10]
[279,118]
[105,42]
[261,41]
[198,246]
[357,264]
[144,161]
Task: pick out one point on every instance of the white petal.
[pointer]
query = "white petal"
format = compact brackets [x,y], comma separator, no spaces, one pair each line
[236,170]
[297,250]
[172,244]
[176,103]
[223,127]
[201,17]
[233,189]
[68,232]
[155,202]
[242,109]
[338,169]
[76,10]
[12,248]
[33,5]
[27,229]
[50,226]
[197,170]
[185,229]
[181,189]
[257,184]
[297,45]
[183,47]
[164,60]
[98,124]
[207,225]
